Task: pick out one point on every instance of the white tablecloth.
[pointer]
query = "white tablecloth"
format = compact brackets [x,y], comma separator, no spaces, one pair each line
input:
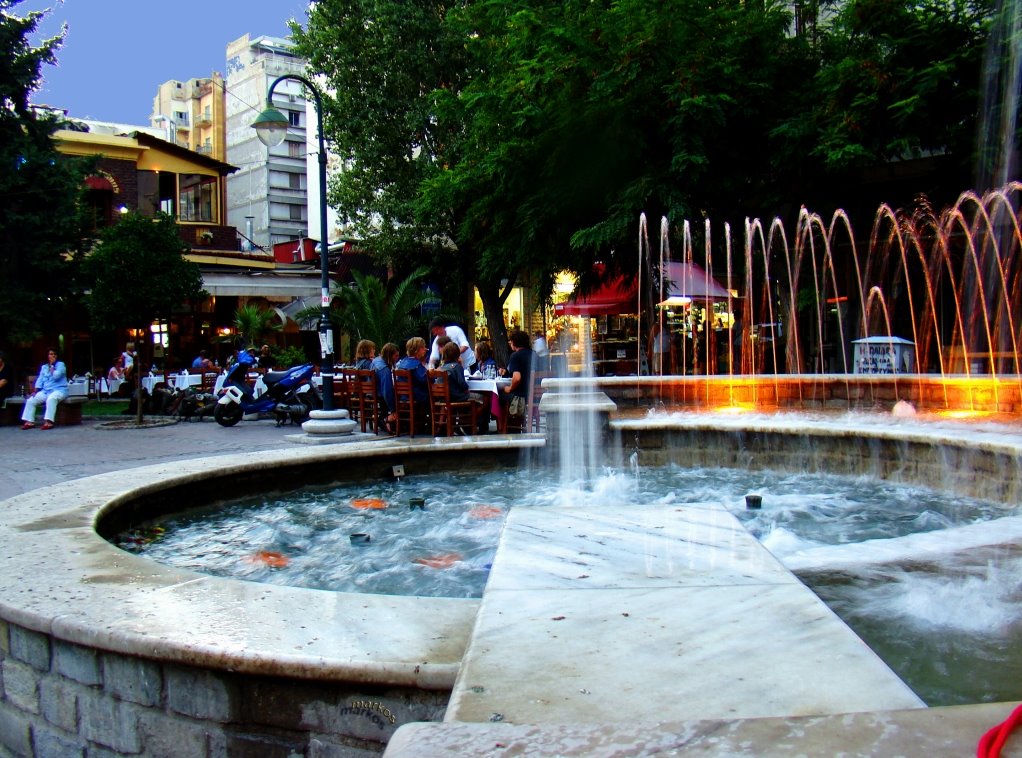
[78,387]
[150,382]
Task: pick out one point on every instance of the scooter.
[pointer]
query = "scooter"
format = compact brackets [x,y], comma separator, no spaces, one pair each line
[289,395]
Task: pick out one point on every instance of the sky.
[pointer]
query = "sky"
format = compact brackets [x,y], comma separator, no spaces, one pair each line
[118,52]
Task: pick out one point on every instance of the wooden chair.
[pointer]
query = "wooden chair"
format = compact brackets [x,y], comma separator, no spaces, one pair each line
[350,378]
[208,383]
[368,401]
[342,397]
[404,399]
[529,421]
[445,413]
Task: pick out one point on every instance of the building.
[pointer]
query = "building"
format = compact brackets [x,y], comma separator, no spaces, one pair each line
[269,192]
[139,172]
[192,115]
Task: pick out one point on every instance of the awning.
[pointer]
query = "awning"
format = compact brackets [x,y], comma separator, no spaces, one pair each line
[262,284]
[692,281]
[99,183]
[298,305]
[612,298]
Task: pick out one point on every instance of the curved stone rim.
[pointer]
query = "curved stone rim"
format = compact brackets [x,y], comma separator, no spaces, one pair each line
[62,578]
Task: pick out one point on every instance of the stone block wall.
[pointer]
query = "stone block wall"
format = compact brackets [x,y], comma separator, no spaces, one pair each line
[65,700]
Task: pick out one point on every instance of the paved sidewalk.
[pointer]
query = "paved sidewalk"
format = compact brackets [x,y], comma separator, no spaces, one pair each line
[35,458]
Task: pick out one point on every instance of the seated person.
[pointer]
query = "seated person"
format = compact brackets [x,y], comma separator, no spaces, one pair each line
[50,389]
[202,362]
[6,381]
[458,386]
[414,360]
[484,354]
[265,358]
[383,365]
[128,358]
[519,368]
[365,351]
[116,372]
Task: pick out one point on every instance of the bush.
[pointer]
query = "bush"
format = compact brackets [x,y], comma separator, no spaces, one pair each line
[286,357]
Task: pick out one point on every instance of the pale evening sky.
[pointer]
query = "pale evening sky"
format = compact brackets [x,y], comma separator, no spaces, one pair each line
[117,52]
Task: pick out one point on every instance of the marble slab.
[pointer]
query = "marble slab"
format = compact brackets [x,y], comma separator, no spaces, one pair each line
[681,616]
[949,731]
[630,546]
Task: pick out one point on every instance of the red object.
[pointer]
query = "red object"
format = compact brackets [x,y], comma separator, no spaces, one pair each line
[296,251]
[692,280]
[99,183]
[613,297]
[991,743]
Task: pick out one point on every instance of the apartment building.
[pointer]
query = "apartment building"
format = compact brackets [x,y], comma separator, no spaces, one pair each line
[268,196]
[191,113]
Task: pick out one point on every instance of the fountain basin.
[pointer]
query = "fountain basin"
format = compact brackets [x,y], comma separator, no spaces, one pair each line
[191,661]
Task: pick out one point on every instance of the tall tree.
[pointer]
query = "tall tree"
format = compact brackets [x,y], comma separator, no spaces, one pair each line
[137,274]
[39,190]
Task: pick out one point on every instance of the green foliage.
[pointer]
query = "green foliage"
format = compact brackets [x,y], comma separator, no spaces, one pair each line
[371,310]
[899,80]
[39,189]
[138,273]
[252,323]
[286,357]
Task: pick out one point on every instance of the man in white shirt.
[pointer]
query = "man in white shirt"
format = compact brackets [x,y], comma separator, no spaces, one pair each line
[438,327]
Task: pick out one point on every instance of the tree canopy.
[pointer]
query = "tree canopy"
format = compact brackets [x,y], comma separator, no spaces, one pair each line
[39,190]
[529,136]
[137,272]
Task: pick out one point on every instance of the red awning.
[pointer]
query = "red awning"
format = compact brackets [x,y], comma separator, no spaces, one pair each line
[612,298]
[692,281]
[99,183]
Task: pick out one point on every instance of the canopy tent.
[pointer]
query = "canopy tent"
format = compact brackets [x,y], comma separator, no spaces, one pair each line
[691,281]
[612,298]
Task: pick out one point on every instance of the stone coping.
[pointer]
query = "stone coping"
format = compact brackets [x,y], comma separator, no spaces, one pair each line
[62,579]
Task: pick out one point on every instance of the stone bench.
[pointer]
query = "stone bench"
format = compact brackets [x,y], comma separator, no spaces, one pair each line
[69,412]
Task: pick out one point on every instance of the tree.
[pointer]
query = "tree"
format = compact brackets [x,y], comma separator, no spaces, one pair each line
[898,80]
[252,322]
[39,189]
[376,310]
[137,273]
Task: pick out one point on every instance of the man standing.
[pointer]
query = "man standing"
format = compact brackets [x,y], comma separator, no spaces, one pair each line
[439,327]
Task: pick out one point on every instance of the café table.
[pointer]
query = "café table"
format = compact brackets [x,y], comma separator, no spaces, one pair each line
[150,382]
[494,387]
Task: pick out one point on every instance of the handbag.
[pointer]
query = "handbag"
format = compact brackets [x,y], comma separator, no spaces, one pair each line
[517,406]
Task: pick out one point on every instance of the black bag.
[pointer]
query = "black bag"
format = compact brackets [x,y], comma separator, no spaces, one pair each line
[195,405]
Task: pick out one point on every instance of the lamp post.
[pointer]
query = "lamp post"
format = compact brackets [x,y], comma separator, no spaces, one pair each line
[271,125]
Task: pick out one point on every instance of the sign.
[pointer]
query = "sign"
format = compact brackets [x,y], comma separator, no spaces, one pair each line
[432,302]
[883,355]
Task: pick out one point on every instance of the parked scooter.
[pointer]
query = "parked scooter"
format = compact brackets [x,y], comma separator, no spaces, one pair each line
[289,395]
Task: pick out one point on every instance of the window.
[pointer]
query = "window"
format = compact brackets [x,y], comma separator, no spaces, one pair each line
[294,149]
[294,118]
[294,181]
[296,212]
[197,193]
[181,117]
[157,192]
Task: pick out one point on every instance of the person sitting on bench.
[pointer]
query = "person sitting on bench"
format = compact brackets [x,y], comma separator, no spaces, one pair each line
[50,388]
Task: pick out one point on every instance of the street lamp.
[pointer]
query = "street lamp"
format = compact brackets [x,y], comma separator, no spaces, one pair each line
[271,125]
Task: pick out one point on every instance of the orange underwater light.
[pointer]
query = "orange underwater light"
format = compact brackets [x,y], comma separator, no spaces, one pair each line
[368,504]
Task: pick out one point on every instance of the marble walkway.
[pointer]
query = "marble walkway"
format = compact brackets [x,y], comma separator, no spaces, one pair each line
[631,631]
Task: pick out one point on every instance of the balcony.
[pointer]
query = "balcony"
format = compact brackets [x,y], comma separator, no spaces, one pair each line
[202,236]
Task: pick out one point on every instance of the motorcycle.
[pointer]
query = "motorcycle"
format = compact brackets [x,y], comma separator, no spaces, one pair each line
[289,395]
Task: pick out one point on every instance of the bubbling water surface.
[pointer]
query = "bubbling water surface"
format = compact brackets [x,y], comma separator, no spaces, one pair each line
[902,565]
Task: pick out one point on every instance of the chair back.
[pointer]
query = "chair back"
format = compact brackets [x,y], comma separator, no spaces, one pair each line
[208,381]
[365,384]
[404,399]
[342,392]
[447,415]
[350,378]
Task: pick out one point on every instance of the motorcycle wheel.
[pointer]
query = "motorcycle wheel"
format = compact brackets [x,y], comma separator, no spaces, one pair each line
[227,415]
